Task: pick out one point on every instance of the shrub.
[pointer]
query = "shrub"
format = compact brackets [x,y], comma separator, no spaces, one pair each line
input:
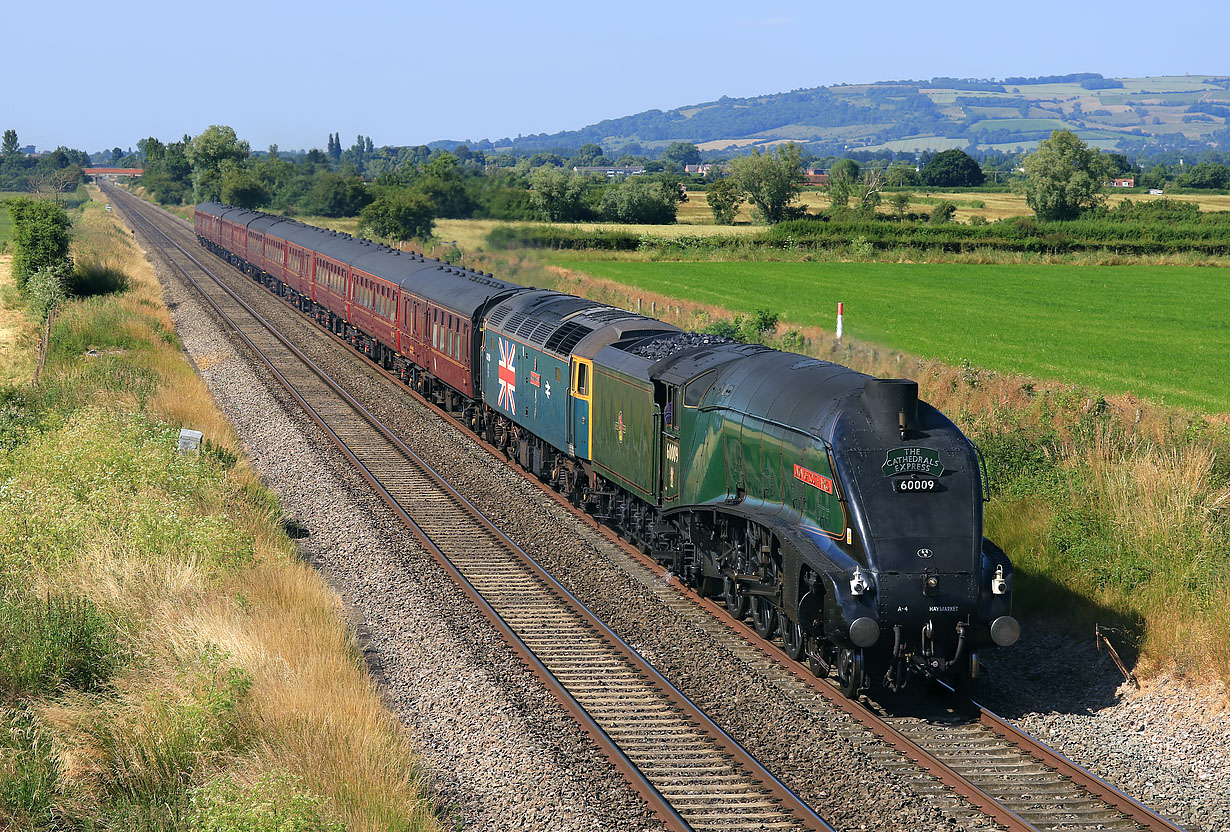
[40,237]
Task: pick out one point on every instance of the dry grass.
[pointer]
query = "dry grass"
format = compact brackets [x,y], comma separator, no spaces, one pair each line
[989,206]
[18,331]
[241,660]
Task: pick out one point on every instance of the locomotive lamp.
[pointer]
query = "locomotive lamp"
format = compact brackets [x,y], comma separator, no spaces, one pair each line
[859,584]
[931,585]
[999,586]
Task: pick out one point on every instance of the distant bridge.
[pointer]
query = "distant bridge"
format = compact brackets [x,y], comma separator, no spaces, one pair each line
[111,173]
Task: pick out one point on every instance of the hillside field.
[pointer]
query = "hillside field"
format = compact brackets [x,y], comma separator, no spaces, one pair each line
[1158,332]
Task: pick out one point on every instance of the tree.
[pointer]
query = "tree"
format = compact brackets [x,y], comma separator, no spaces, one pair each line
[399,213]
[847,168]
[843,182]
[1155,177]
[770,181]
[681,154]
[441,181]
[724,199]
[1205,175]
[557,194]
[334,195]
[590,150]
[868,191]
[10,146]
[943,212]
[900,174]
[1064,177]
[208,153]
[243,190]
[952,169]
[52,186]
[900,203]
[40,237]
[640,200]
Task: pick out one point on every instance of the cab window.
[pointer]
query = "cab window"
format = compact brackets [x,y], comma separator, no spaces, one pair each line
[697,388]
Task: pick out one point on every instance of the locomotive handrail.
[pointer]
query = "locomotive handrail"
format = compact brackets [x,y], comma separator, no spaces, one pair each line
[795,429]
[984,474]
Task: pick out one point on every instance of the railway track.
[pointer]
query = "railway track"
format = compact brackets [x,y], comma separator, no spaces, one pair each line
[692,774]
[1005,774]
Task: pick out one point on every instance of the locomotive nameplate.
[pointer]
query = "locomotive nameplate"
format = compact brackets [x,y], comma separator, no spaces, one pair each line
[912,461]
[812,478]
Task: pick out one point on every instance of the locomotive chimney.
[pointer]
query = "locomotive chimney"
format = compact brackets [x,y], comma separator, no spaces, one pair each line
[892,402]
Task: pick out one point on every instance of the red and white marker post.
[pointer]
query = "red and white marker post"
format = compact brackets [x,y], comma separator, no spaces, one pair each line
[841,307]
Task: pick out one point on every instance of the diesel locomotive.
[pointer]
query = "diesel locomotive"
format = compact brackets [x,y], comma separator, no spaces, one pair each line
[837,510]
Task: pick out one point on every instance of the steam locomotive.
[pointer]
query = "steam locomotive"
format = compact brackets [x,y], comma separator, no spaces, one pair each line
[838,511]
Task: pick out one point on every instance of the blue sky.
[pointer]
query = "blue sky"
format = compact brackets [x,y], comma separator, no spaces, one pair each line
[408,73]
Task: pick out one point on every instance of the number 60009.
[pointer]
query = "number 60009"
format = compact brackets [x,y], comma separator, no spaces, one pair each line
[915,485]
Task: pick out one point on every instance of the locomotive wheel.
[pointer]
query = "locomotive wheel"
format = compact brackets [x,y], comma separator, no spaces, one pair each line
[850,668]
[764,617]
[736,601]
[792,639]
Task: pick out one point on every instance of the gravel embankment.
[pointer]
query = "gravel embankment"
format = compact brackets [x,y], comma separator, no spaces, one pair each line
[501,754]
[507,757]
[842,770]
[1166,745]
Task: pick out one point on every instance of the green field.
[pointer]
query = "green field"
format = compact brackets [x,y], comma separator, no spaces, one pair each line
[6,222]
[1161,332]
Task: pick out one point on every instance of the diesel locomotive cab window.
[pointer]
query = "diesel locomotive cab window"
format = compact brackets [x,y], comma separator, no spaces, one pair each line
[582,380]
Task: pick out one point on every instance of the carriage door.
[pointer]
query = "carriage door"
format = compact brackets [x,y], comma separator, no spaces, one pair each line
[671,473]
[580,428]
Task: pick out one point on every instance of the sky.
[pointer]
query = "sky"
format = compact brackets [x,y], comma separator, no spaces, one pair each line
[411,72]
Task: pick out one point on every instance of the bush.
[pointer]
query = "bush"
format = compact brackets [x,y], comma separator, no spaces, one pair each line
[746,329]
[40,237]
[528,236]
[46,288]
[943,212]
[637,200]
[399,213]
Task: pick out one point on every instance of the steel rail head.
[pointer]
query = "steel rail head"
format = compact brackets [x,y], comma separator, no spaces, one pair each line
[971,792]
[1084,778]
[804,813]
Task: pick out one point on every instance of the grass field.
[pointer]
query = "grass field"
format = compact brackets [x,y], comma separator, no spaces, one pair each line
[1157,332]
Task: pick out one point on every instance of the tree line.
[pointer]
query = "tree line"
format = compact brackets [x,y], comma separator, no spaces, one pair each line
[401,192]
[58,171]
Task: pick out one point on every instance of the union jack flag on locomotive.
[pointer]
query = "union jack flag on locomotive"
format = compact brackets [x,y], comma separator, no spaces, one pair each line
[508,375]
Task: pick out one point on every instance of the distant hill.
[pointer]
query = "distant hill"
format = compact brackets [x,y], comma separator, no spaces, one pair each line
[1122,114]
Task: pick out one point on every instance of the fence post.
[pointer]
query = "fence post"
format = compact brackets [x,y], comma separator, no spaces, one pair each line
[43,342]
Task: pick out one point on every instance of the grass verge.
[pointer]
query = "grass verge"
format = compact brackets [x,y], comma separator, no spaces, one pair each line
[169,663]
